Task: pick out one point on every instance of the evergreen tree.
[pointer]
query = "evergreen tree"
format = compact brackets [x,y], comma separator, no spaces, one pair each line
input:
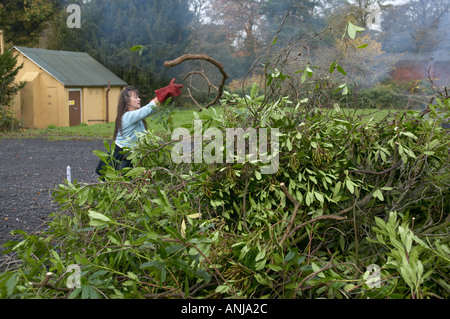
[24,20]
[110,28]
[8,70]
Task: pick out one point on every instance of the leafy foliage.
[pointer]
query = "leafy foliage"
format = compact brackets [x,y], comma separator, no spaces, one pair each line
[167,230]
[24,20]
[9,71]
[8,89]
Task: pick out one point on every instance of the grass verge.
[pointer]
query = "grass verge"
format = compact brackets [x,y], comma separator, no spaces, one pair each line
[180,118]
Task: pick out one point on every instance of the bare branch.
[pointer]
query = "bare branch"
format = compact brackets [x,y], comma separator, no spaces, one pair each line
[186,57]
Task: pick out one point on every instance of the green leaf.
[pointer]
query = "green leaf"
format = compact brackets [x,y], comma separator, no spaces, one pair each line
[299,196]
[342,242]
[136,171]
[203,274]
[174,233]
[98,219]
[11,284]
[332,67]
[337,108]
[406,274]
[316,268]
[303,78]
[244,252]
[261,279]
[350,186]
[275,267]
[378,194]
[100,154]
[85,292]
[341,70]
[222,289]
[137,48]
[95,215]
[81,260]
[348,287]
[289,144]
[307,199]
[409,134]
[319,196]
[260,264]
[291,254]
[75,293]
[260,255]
[362,46]
[132,276]
[419,270]
[433,144]
[353,29]
[163,274]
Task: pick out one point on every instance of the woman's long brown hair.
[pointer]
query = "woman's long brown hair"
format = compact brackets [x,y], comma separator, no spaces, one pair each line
[122,108]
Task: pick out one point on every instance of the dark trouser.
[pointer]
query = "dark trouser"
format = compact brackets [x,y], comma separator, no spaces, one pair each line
[119,161]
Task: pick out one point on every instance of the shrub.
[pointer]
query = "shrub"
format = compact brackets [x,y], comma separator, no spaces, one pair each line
[8,122]
[9,70]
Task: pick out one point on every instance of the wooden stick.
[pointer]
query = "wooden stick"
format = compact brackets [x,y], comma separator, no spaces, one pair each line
[294,214]
[204,76]
[45,283]
[186,57]
[316,219]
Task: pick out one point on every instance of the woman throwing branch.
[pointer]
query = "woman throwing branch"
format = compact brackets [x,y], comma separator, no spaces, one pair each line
[130,119]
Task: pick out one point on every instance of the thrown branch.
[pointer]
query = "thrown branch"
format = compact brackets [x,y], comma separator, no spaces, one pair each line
[204,76]
[186,57]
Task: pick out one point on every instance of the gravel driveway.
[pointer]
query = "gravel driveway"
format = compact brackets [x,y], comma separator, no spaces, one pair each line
[29,170]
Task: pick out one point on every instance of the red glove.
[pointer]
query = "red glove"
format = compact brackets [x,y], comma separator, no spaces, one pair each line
[171,90]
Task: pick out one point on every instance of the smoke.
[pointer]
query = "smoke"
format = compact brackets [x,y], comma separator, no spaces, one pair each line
[439,67]
[418,33]
[444,36]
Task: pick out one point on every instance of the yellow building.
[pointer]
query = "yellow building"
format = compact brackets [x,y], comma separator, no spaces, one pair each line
[64,89]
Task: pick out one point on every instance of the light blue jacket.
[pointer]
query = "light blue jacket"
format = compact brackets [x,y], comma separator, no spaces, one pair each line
[132,124]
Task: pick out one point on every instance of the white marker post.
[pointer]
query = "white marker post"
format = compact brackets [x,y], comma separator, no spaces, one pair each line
[69,174]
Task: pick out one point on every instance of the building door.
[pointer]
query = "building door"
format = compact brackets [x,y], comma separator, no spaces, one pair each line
[74,108]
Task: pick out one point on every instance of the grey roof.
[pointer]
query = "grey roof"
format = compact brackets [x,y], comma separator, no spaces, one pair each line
[72,69]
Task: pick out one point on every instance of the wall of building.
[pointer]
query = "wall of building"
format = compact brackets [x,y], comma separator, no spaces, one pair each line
[94,104]
[38,105]
[44,100]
